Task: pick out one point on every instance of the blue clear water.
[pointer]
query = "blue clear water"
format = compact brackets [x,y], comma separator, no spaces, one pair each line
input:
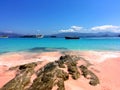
[50,44]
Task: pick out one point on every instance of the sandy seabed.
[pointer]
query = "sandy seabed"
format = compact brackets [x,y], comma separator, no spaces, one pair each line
[104,64]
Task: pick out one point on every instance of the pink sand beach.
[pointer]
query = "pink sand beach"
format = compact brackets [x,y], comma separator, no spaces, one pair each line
[104,64]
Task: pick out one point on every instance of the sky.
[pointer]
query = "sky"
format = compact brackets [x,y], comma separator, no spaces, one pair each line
[55,16]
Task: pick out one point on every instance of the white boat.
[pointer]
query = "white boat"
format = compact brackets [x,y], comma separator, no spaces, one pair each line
[39,36]
[4,36]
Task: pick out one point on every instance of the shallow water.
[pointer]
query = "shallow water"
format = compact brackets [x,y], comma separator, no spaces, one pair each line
[55,44]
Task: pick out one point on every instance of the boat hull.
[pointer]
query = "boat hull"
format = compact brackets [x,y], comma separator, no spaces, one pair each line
[72,37]
[32,36]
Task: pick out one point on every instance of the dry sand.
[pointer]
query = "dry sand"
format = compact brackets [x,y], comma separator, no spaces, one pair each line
[105,65]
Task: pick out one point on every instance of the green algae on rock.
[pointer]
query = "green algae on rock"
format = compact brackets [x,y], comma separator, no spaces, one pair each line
[21,80]
[50,75]
[93,78]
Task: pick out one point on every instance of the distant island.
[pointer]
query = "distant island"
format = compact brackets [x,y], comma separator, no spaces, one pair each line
[62,35]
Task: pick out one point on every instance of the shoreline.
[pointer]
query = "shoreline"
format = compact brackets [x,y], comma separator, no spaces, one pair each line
[37,55]
[62,50]
[104,64]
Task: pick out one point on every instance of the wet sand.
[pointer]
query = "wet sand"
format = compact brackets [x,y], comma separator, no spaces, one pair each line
[104,64]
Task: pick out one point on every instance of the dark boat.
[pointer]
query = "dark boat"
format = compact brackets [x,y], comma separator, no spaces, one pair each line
[32,36]
[28,36]
[53,36]
[72,37]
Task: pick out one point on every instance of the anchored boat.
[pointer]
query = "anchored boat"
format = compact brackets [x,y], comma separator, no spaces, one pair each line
[3,36]
[72,37]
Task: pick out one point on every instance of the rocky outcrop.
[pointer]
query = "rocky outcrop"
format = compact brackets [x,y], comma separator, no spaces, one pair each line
[22,79]
[93,78]
[49,76]
[71,62]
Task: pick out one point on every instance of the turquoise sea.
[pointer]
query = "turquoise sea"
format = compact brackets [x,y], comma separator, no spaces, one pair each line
[53,44]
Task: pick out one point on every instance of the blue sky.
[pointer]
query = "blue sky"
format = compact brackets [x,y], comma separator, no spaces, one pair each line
[53,16]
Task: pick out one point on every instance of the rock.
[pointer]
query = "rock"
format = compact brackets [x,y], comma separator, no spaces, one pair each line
[67,58]
[49,76]
[64,58]
[62,74]
[22,79]
[73,71]
[84,71]
[60,63]
[43,82]
[60,85]
[72,67]
[94,80]
[26,66]
[76,75]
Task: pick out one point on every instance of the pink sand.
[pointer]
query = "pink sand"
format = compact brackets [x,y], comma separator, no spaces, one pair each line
[15,59]
[6,76]
[105,65]
[109,74]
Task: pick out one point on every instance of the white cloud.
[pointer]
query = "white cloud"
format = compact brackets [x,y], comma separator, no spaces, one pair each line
[102,28]
[67,30]
[8,31]
[72,29]
[76,27]
[111,28]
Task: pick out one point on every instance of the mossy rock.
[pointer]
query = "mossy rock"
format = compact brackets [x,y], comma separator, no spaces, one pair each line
[25,66]
[47,77]
[82,67]
[76,75]
[66,57]
[60,63]
[84,70]
[60,85]
[62,74]
[72,69]
[19,82]
[94,80]
[43,82]
[50,66]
